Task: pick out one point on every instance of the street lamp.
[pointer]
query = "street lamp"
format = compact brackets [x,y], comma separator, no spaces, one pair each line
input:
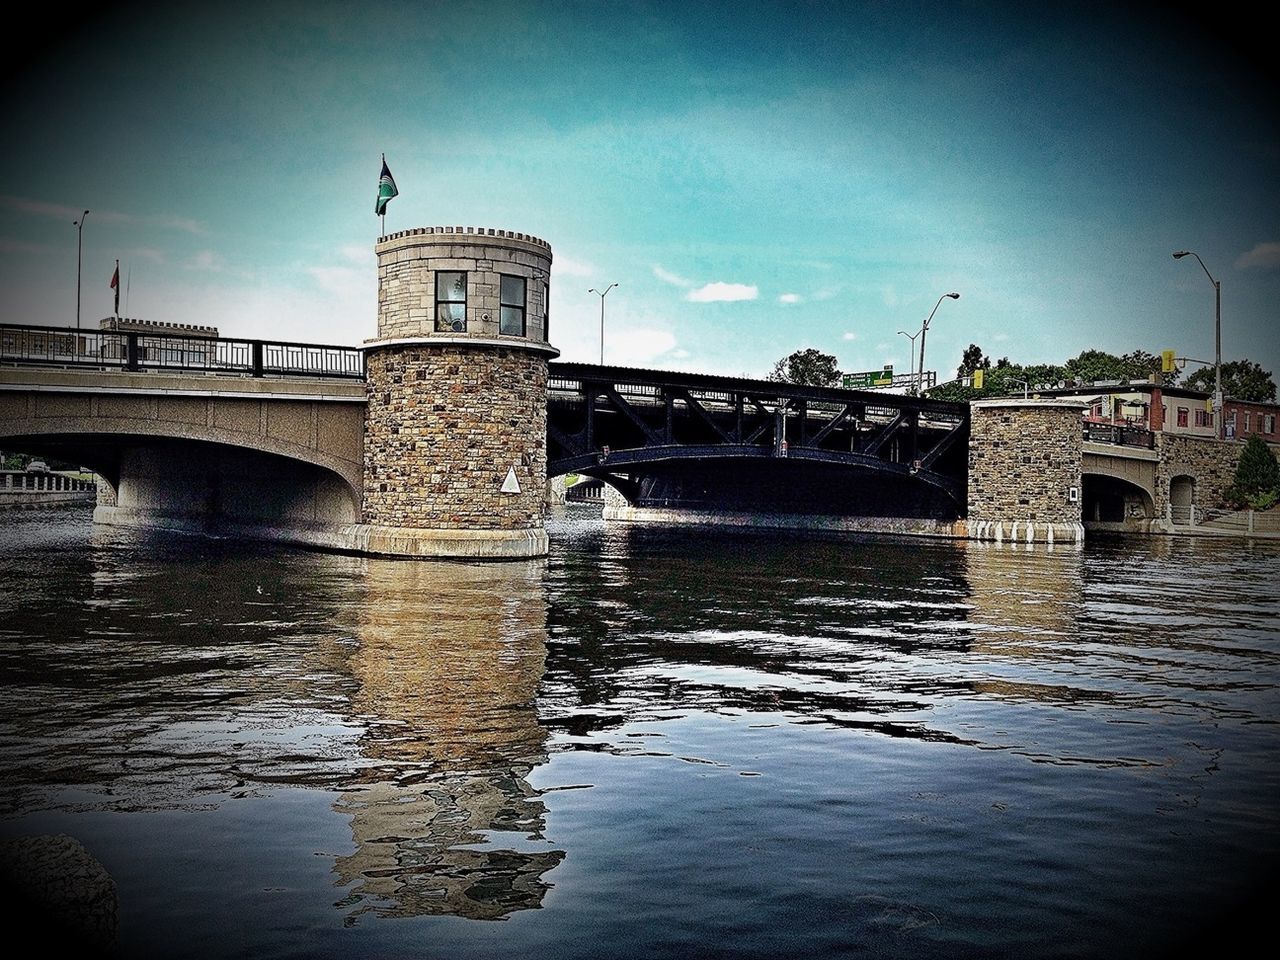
[79,225]
[925,329]
[602,296]
[912,338]
[1217,340]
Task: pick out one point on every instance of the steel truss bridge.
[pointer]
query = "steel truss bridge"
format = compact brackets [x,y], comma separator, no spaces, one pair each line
[695,439]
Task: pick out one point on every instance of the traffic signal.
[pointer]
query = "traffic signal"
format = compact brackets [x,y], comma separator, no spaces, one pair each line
[1168,363]
[977,379]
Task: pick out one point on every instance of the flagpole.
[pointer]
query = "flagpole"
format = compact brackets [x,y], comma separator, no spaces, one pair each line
[127,284]
[117,289]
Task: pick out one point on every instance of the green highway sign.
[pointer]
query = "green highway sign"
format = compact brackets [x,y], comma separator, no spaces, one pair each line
[870,378]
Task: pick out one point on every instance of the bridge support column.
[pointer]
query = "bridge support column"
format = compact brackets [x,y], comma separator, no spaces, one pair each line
[1025,475]
[455,458]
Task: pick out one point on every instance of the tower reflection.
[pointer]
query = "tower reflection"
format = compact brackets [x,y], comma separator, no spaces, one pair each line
[448,666]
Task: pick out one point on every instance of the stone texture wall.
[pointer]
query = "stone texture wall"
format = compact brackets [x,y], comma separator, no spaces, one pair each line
[407,266]
[1024,459]
[1211,462]
[444,424]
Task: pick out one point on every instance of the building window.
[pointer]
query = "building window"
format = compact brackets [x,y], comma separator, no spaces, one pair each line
[512,306]
[1246,422]
[1204,418]
[1182,416]
[451,301]
[1270,421]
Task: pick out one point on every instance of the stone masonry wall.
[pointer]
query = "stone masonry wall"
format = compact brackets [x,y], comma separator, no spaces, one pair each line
[408,262]
[1211,462]
[444,424]
[1024,459]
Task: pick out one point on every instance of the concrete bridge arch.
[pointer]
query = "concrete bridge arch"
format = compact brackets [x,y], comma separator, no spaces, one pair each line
[283,460]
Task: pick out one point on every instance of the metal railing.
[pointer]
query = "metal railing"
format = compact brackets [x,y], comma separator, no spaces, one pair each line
[22,481]
[1119,434]
[29,345]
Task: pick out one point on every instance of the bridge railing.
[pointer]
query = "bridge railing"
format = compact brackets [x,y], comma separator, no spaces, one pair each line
[24,345]
[21,481]
[1119,434]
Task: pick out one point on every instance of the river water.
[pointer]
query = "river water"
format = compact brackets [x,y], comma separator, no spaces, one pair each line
[654,743]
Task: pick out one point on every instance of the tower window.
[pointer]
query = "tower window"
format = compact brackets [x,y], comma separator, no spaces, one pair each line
[451,301]
[512,306]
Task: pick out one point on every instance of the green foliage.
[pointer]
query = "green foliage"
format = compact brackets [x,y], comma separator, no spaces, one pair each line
[1257,477]
[973,359]
[14,461]
[811,367]
[1264,501]
[1241,380]
[1093,365]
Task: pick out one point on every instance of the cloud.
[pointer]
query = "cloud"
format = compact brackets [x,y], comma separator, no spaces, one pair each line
[1264,256]
[849,335]
[568,267]
[826,293]
[1000,337]
[342,281]
[142,253]
[666,276]
[185,224]
[8,245]
[357,253]
[637,346]
[789,298]
[720,292]
[58,211]
[40,208]
[681,354]
[206,260]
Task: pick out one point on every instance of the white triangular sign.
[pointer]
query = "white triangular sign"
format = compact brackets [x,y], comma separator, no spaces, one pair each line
[511,484]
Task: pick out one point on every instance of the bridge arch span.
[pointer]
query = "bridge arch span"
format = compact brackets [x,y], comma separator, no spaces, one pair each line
[270,467]
[1112,501]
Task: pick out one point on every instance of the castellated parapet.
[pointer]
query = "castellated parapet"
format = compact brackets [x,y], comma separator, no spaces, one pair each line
[455,452]
[1025,469]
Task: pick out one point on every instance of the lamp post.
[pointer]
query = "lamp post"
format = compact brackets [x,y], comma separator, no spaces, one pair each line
[1217,340]
[602,296]
[912,338]
[79,225]
[925,329]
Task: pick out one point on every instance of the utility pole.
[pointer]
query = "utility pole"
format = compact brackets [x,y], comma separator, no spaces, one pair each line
[79,225]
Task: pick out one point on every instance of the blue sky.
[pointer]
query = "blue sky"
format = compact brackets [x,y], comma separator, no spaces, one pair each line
[757,178]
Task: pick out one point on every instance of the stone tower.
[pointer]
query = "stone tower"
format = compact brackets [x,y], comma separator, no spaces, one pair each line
[455,450]
[1025,463]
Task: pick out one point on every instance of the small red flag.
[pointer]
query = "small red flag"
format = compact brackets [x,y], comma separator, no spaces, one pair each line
[115,285]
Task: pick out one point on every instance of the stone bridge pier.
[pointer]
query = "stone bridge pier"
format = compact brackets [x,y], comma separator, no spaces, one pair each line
[455,445]
[1025,471]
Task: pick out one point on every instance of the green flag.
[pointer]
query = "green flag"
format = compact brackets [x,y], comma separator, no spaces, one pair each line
[386,189]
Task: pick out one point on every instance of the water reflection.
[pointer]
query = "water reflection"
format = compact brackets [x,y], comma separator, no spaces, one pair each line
[651,623]
[149,673]
[448,663]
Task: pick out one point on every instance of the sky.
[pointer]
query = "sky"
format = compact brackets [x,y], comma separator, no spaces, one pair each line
[756,178]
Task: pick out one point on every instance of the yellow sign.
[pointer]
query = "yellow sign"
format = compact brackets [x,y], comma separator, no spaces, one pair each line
[977,379]
[1168,362]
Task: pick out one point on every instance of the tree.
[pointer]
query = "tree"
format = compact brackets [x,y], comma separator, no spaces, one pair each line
[1241,380]
[811,367]
[1257,480]
[972,360]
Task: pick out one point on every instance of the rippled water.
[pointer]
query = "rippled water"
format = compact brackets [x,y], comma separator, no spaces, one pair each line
[653,743]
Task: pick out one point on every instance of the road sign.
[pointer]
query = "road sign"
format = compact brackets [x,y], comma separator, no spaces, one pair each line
[868,379]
